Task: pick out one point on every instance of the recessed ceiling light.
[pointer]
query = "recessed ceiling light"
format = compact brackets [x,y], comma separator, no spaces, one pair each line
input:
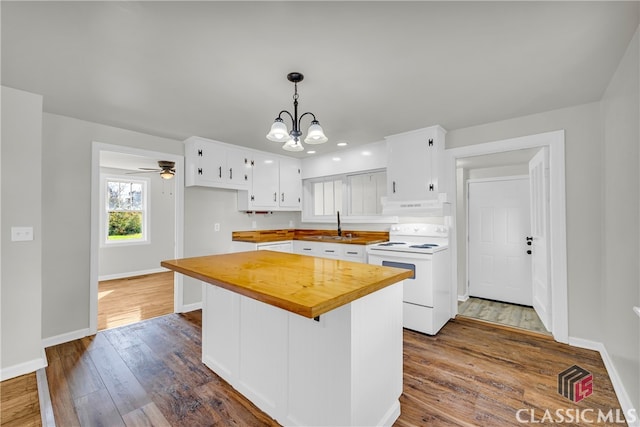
[342,143]
[366,153]
[311,152]
[336,159]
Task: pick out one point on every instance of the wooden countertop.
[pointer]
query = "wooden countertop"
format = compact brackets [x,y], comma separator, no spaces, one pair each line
[265,236]
[305,285]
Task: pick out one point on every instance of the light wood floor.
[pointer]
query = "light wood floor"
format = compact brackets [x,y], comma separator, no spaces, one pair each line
[19,403]
[126,301]
[470,374]
[503,313]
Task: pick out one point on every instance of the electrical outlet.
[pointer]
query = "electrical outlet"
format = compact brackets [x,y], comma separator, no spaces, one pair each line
[21,234]
[216,226]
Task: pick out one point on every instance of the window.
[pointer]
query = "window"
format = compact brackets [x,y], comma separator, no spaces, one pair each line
[353,195]
[366,190]
[327,197]
[126,216]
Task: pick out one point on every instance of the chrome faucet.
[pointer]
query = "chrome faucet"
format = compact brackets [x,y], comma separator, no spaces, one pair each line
[339,230]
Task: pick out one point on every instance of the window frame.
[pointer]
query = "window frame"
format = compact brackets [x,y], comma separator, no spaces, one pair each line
[104,210]
[345,217]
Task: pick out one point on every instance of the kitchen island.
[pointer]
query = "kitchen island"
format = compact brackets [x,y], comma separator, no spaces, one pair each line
[310,341]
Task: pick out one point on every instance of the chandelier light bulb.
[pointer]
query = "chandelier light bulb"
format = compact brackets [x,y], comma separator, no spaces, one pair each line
[293,145]
[315,134]
[278,132]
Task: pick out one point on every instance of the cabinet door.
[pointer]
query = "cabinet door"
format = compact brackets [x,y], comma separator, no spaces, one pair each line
[209,162]
[412,170]
[290,184]
[407,168]
[238,168]
[265,176]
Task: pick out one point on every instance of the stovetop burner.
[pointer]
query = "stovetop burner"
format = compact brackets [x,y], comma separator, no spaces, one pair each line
[424,246]
[391,243]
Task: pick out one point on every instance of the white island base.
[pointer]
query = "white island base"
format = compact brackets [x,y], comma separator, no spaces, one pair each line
[344,369]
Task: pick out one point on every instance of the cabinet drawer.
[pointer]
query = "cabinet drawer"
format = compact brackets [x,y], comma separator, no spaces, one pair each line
[354,253]
[331,250]
[305,248]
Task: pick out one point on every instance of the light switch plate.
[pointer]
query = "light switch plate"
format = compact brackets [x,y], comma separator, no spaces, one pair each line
[21,234]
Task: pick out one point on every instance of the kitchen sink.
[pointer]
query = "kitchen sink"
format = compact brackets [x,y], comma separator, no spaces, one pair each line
[333,238]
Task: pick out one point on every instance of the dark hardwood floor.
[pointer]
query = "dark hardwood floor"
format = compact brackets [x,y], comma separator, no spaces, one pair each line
[470,374]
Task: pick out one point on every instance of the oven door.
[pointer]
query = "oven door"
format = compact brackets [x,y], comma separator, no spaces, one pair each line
[416,289]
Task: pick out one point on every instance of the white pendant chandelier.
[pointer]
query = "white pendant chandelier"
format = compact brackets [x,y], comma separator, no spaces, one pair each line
[280,133]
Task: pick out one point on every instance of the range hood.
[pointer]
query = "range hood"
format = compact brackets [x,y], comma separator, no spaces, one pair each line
[432,207]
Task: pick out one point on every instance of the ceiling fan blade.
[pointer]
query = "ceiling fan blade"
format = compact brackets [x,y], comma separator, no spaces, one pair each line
[150,169]
[139,172]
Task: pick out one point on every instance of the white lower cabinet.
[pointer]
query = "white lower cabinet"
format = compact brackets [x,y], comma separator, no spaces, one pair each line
[343,369]
[343,251]
[284,246]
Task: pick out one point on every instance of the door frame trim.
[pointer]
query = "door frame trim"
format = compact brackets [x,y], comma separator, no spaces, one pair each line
[96,149]
[557,216]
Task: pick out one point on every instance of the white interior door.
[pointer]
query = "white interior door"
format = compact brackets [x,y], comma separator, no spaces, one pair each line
[499,266]
[539,181]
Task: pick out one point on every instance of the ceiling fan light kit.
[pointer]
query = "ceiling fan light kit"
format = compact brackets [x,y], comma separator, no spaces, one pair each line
[279,131]
[166,168]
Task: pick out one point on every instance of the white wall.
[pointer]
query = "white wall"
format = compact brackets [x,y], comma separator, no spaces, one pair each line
[621,226]
[66,214]
[21,272]
[204,207]
[128,260]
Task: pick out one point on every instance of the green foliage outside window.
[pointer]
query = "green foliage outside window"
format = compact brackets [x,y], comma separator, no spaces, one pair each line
[125,224]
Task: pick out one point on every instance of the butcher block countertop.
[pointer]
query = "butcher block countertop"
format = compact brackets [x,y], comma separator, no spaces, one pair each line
[305,285]
[328,236]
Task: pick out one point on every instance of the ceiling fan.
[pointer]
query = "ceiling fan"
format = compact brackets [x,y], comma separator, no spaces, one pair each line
[166,168]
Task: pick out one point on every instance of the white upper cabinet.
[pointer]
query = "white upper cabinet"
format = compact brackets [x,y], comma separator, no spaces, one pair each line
[264,192]
[415,164]
[276,184]
[290,184]
[216,164]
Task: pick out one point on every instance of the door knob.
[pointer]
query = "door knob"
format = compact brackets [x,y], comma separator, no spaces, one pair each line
[529,252]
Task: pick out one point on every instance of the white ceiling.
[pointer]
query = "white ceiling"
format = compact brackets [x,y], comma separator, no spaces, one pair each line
[372,69]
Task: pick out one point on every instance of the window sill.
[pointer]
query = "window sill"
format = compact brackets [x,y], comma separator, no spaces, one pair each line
[120,243]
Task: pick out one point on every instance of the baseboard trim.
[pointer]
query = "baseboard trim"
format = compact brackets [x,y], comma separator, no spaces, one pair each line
[618,386]
[463,298]
[62,338]
[131,274]
[23,368]
[190,307]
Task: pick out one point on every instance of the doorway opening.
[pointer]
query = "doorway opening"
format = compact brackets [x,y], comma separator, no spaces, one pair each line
[136,223]
[499,248]
[503,159]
